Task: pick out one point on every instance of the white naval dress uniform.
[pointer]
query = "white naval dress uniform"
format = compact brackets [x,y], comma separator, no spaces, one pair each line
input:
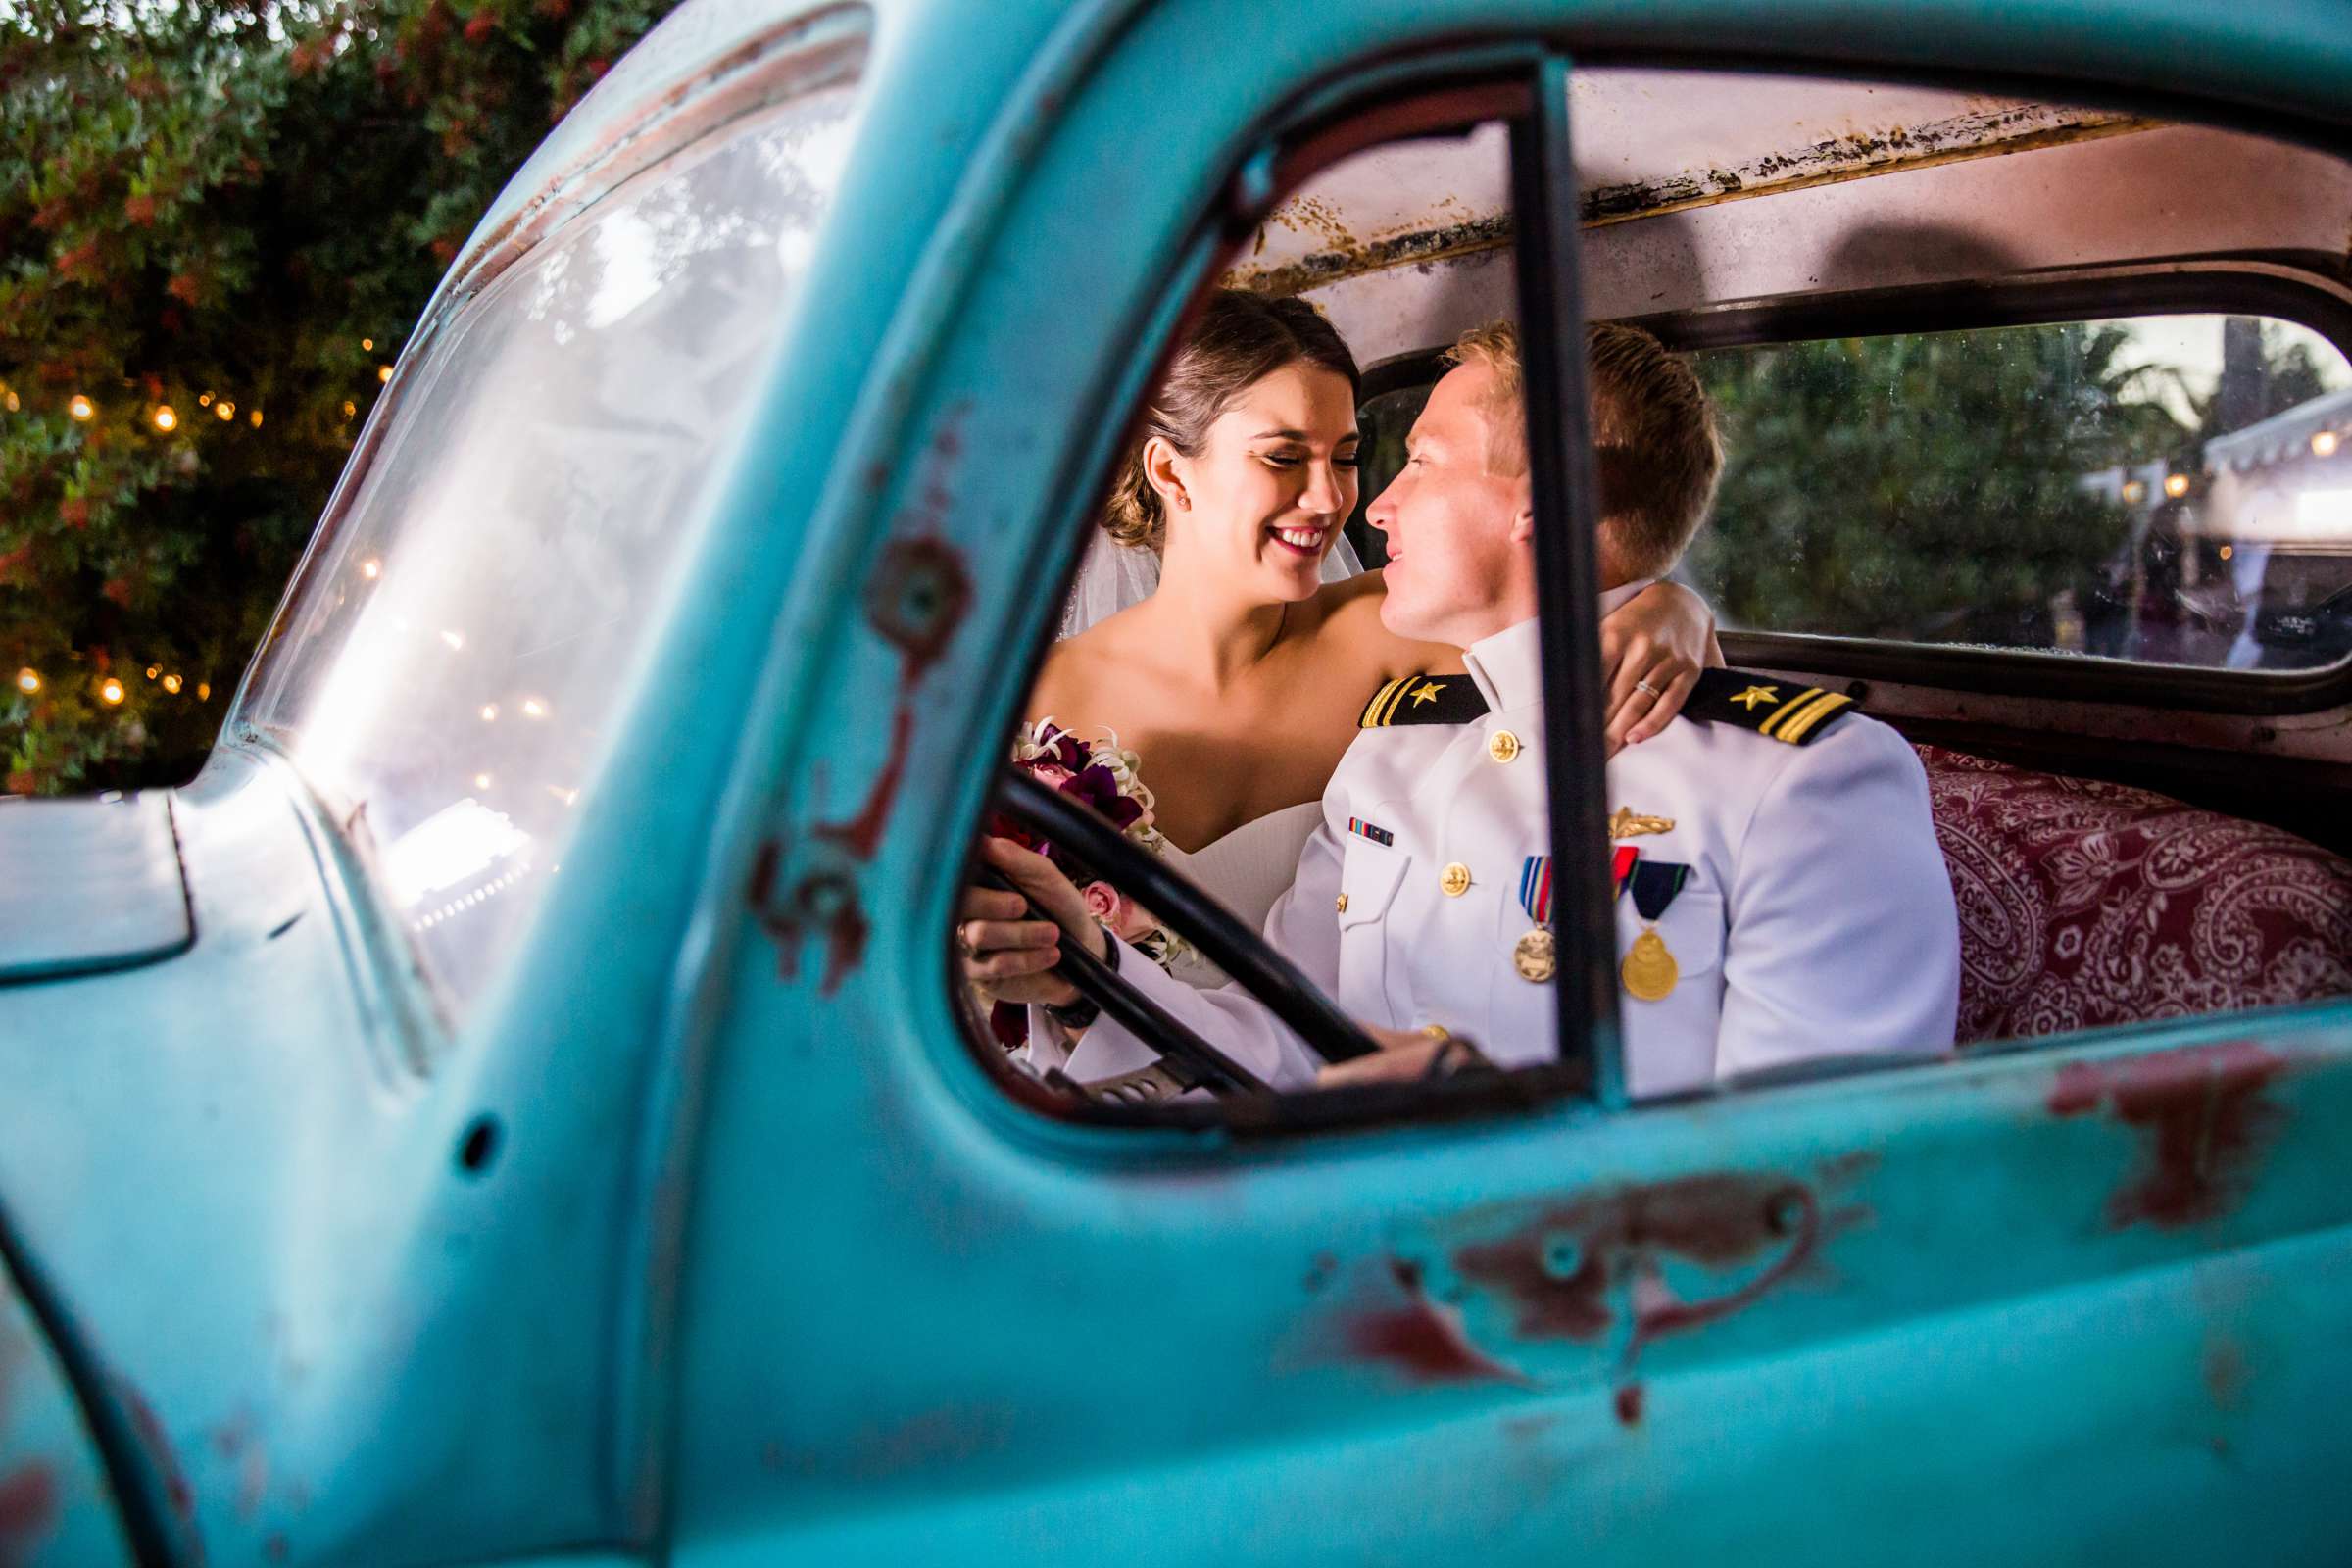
[1815,918]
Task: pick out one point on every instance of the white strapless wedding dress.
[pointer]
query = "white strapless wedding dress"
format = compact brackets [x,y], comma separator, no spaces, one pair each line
[1245,870]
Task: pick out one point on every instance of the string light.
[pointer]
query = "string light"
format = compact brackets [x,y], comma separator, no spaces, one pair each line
[12,404]
[204,691]
[111,689]
[255,417]
[456,641]
[383,372]
[532,706]
[154,670]
[2324,444]
[172,684]
[489,712]
[371,571]
[2227,552]
[166,418]
[225,409]
[350,409]
[481,781]
[367,345]
[2176,485]
[204,400]
[80,408]
[29,681]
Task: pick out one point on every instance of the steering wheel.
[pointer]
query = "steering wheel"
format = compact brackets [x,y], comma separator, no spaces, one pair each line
[1197,919]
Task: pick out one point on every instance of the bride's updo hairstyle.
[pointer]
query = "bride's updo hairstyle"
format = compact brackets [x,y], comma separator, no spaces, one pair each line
[1240,340]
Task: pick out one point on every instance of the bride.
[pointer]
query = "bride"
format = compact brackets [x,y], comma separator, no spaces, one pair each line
[1239,678]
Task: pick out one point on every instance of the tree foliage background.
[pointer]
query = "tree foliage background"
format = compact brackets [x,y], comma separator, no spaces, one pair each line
[219,220]
[1927,486]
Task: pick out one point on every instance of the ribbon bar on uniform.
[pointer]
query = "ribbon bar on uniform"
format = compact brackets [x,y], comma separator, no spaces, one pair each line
[1655,884]
[1535,881]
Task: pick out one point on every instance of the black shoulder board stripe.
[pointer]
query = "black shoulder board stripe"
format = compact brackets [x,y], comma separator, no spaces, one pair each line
[1783,710]
[1422,700]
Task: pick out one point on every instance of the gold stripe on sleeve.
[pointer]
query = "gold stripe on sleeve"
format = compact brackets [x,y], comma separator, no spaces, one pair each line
[1785,722]
[1795,730]
[1404,689]
[1787,709]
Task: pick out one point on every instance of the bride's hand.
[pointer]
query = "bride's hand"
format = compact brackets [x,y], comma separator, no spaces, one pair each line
[1406,1056]
[1009,952]
[1652,649]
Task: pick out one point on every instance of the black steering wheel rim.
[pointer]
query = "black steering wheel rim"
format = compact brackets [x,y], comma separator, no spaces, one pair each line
[1192,915]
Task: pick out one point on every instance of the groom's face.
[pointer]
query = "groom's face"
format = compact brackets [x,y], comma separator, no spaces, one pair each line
[1458,532]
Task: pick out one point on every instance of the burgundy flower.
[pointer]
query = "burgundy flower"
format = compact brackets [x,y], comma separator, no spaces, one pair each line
[1098,788]
[1065,750]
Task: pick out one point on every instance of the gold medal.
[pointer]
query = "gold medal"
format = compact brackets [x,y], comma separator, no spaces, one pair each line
[1533,958]
[1648,969]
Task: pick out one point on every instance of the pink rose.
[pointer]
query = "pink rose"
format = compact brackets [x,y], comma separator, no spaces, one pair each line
[1128,920]
[1135,922]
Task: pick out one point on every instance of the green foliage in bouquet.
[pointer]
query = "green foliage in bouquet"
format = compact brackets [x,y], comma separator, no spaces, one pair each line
[217,221]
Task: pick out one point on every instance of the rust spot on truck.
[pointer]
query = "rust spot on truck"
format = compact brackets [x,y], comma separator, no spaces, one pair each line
[1420,1339]
[163,1462]
[2205,1116]
[1594,1267]
[2224,1371]
[27,1512]
[917,597]
[862,834]
[823,906]
[1559,1269]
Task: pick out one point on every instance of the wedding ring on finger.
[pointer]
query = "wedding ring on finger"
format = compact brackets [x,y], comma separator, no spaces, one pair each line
[1645,686]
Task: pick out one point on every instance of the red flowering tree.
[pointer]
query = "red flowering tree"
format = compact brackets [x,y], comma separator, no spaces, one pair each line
[218,219]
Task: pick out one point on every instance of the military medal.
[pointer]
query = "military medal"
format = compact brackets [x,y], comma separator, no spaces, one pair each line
[1534,956]
[1650,972]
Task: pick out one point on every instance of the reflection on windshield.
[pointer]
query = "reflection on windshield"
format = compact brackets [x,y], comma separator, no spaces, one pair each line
[457,654]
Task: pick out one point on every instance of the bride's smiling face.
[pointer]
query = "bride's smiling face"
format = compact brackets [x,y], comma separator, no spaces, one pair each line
[1262,502]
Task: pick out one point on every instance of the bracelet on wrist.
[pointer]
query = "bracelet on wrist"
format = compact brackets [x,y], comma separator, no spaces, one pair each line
[1081,1014]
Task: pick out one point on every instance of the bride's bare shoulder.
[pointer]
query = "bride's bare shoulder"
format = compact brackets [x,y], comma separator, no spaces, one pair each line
[1349,630]
[1075,667]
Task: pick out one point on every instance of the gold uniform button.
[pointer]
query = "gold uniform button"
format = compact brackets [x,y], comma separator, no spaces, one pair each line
[1502,746]
[1341,904]
[1454,880]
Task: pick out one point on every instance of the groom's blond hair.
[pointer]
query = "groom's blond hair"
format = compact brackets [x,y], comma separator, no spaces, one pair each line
[1654,435]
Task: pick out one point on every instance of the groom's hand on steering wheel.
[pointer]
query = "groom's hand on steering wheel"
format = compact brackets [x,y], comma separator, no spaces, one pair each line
[1010,953]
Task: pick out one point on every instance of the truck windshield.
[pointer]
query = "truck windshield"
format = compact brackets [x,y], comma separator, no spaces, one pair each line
[461,639]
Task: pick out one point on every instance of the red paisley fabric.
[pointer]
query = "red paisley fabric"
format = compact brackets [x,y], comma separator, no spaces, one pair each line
[2084,903]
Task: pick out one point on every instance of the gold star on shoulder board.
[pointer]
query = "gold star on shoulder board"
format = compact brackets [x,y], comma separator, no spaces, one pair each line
[1758,694]
[1426,691]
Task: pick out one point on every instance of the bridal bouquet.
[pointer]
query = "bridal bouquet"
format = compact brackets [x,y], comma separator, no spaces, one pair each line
[1101,774]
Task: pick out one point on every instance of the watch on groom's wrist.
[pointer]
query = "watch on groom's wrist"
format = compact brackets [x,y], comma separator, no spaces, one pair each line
[1080,1015]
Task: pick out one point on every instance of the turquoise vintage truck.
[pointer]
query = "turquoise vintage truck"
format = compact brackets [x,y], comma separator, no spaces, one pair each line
[515,1103]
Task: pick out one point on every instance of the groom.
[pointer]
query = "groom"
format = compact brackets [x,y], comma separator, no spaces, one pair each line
[1780,891]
